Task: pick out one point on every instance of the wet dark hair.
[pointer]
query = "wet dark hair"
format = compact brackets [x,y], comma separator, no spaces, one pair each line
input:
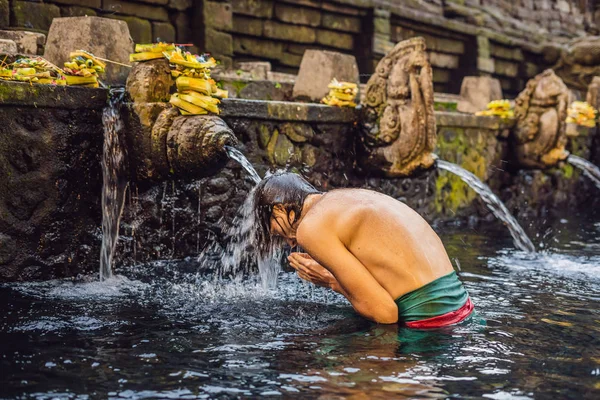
[285,188]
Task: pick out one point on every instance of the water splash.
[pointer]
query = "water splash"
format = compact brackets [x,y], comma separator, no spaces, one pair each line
[114,184]
[520,238]
[237,155]
[589,169]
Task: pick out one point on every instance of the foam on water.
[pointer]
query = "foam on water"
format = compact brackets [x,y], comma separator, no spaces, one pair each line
[585,268]
[109,289]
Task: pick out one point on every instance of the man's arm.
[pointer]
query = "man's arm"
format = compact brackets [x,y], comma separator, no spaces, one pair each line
[356,283]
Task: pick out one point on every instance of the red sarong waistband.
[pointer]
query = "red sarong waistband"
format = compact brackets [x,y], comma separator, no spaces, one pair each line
[453,317]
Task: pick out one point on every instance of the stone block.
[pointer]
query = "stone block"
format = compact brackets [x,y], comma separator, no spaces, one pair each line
[282,77]
[335,39]
[297,15]
[7,46]
[106,38]
[563,6]
[33,15]
[218,42]
[486,65]
[27,42]
[254,8]
[182,27]
[476,92]
[290,59]
[382,26]
[145,11]
[342,23]
[247,26]
[506,68]
[76,11]
[381,45]
[317,70]
[531,70]
[339,9]
[80,3]
[258,48]
[441,75]
[382,13]
[4,14]
[444,45]
[298,48]
[163,32]
[506,53]
[180,5]
[224,61]
[256,69]
[218,15]
[293,33]
[305,3]
[442,60]
[483,47]
[139,29]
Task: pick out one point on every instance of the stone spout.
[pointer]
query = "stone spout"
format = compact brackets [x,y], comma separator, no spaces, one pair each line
[398,132]
[172,145]
[161,142]
[539,137]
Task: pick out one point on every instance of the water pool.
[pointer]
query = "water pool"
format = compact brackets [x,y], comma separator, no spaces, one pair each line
[163,333]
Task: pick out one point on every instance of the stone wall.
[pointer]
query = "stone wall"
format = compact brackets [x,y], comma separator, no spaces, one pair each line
[50,180]
[502,38]
[148,20]
[281,30]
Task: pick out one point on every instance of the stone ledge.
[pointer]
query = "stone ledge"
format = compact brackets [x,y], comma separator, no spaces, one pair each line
[287,111]
[51,96]
[461,120]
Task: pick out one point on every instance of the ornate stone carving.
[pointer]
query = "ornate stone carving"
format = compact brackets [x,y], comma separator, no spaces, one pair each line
[578,63]
[398,132]
[539,136]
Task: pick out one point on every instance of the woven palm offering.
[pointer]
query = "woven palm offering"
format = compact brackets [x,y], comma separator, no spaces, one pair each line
[197,93]
[341,94]
[83,69]
[152,51]
[33,70]
[581,113]
[498,108]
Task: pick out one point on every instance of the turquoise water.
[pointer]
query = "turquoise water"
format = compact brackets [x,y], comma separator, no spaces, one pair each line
[161,331]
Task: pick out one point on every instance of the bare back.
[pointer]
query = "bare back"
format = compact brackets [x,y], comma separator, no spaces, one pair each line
[394,243]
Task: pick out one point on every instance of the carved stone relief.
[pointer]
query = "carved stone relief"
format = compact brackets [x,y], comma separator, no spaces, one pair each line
[398,131]
[539,136]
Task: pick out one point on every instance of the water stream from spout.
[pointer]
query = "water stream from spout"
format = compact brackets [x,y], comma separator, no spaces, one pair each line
[237,155]
[589,169]
[114,183]
[492,201]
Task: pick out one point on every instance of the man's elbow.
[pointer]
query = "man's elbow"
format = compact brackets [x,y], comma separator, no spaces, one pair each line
[387,314]
[384,314]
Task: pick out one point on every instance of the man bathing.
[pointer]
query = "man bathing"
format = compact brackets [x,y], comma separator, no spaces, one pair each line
[374,250]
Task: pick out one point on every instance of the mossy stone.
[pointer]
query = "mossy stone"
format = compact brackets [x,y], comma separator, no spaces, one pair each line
[283,150]
[264,135]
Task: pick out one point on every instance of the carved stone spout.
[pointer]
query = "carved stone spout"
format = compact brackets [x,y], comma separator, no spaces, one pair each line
[398,131]
[162,143]
[539,137]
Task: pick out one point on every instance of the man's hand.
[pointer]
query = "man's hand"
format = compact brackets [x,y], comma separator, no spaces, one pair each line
[310,270]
